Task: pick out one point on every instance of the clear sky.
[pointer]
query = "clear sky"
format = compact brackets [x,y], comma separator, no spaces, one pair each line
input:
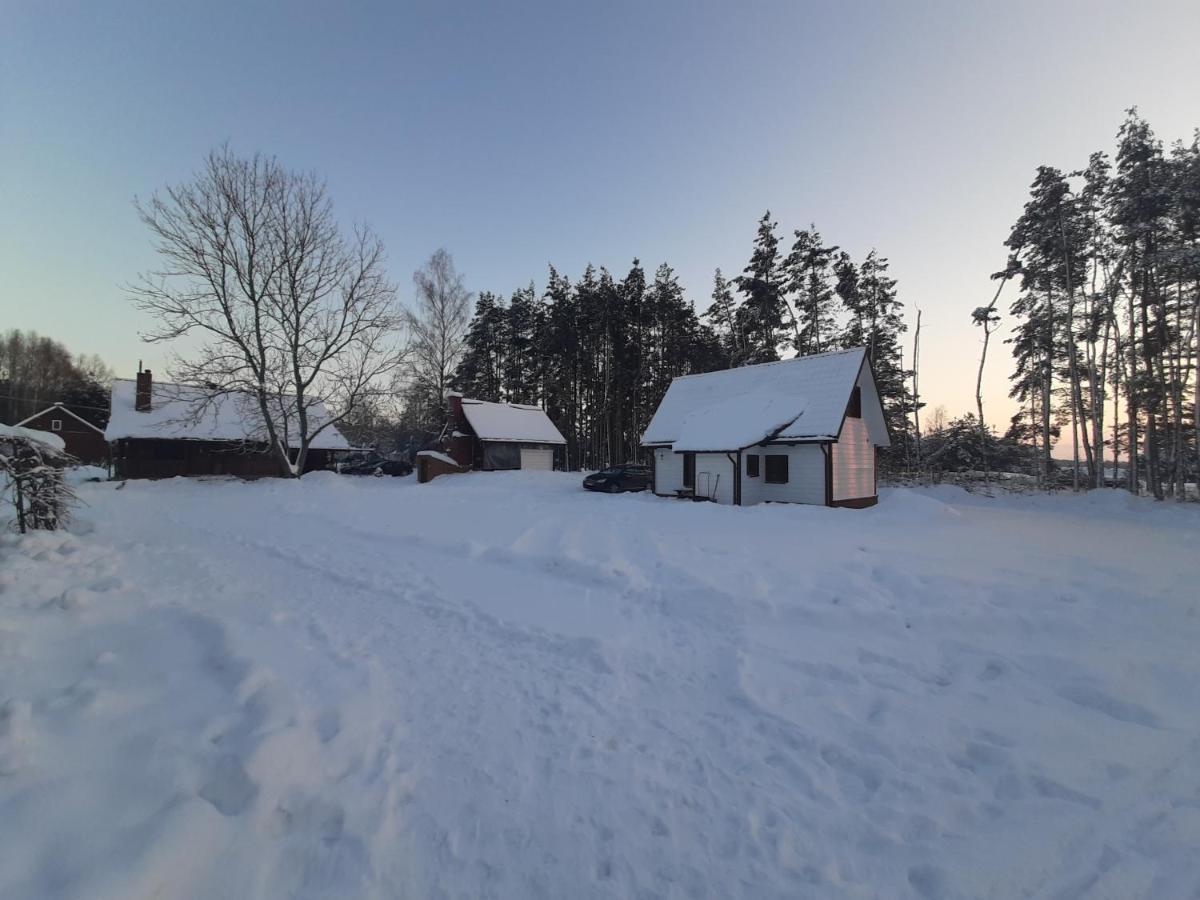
[516,135]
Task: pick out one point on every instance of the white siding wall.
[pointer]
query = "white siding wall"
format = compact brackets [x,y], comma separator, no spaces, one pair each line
[854,462]
[668,471]
[806,476]
[714,476]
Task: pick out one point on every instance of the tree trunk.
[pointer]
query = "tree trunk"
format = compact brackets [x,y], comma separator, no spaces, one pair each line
[916,389]
[1196,383]
[1131,392]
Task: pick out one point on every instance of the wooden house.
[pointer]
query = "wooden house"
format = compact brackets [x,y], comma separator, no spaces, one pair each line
[82,439]
[163,430]
[802,430]
[490,436]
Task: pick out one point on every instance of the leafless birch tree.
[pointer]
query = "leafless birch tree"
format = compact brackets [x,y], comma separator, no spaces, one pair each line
[438,325]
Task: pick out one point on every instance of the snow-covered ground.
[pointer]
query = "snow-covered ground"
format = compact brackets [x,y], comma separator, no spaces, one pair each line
[502,686]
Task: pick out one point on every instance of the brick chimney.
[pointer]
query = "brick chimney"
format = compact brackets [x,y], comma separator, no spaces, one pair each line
[141,401]
[454,406]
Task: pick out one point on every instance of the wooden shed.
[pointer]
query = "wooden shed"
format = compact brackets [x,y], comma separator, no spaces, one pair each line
[802,430]
[487,436]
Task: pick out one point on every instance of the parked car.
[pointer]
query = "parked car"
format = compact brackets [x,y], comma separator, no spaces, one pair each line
[614,479]
[373,464]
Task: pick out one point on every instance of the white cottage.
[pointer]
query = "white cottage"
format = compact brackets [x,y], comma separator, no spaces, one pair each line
[801,430]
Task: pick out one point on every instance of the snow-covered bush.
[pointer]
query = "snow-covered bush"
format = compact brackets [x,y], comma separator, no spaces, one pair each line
[31,466]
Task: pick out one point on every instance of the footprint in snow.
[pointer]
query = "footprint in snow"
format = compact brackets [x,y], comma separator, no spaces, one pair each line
[928,881]
[1091,697]
[329,725]
[228,787]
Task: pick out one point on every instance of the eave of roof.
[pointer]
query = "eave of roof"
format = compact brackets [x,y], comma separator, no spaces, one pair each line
[61,408]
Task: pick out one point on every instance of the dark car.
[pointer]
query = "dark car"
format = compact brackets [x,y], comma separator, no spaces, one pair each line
[614,479]
[374,464]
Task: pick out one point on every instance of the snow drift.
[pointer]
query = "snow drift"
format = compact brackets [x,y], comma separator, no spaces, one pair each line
[505,687]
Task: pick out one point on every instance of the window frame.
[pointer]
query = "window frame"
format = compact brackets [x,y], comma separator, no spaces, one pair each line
[777,459]
[56,424]
[752,465]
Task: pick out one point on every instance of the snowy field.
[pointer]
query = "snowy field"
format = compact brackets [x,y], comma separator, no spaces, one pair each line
[497,685]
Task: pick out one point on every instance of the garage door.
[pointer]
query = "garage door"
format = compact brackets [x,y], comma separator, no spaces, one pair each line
[535,458]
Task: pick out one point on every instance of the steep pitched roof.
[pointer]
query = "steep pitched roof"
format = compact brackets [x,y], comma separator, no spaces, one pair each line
[511,422]
[173,416]
[795,399]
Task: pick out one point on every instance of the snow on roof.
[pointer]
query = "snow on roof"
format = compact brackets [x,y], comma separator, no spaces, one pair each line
[511,422]
[442,457]
[795,399]
[32,434]
[175,414]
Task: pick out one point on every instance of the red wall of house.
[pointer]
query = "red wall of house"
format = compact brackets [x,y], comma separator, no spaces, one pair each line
[84,443]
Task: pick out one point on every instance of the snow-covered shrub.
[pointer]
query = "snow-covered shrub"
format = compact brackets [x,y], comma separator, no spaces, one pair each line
[31,466]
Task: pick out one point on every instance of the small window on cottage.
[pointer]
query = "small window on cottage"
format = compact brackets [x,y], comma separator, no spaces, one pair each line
[777,470]
[752,465]
[56,424]
[854,410]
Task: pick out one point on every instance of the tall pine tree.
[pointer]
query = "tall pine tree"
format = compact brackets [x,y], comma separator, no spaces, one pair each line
[813,303]
[760,316]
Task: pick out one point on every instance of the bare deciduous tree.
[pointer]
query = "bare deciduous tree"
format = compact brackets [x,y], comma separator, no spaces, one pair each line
[289,311]
[438,326]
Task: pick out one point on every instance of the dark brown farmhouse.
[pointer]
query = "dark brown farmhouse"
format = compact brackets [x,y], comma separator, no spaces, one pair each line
[83,440]
[163,430]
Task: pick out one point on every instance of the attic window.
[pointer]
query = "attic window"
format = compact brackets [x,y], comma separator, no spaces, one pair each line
[56,424]
[854,409]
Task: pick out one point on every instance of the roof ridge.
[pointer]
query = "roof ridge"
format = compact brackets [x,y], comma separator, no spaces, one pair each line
[529,406]
[776,362]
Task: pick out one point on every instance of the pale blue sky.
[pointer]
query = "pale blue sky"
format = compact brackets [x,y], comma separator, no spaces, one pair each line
[516,135]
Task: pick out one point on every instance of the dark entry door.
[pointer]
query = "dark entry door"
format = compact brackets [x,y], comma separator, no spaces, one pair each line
[689,470]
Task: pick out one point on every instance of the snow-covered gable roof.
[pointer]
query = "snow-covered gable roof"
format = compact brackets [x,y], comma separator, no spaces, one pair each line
[173,416]
[795,399]
[511,422]
[58,407]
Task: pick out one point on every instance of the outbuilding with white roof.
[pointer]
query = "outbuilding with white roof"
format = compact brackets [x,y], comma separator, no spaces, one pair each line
[481,434]
[801,430]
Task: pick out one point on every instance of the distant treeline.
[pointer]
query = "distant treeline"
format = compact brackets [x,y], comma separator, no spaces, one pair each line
[600,352]
[37,371]
[1107,333]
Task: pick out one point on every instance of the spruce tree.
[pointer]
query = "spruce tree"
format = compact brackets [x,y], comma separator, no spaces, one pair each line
[760,316]
[519,362]
[480,373]
[883,324]
[807,286]
[722,313]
